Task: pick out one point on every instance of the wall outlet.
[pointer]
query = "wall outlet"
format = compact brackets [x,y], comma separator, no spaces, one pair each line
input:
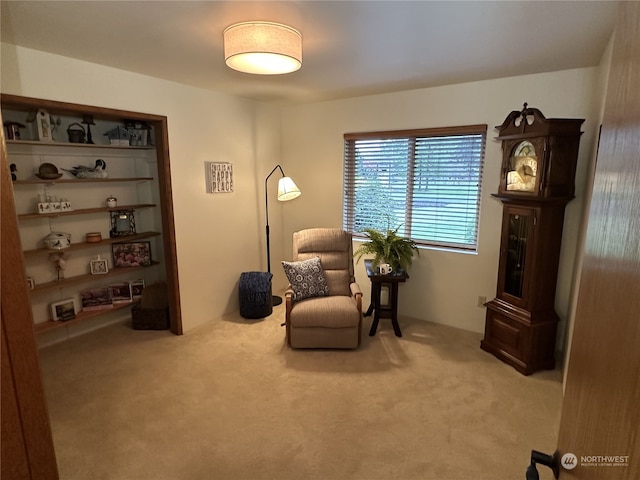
[482,301]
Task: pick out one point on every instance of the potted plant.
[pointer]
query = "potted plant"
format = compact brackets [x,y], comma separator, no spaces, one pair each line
[388,247]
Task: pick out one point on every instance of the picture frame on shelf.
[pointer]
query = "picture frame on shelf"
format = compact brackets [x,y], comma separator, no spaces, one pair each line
[120,292]
[131,254]
[99,266]
[63,310]
[31,283]
[136,289]
[96,299]
[123,223]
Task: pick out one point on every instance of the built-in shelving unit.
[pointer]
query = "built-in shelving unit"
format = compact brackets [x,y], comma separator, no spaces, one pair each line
[80,317]
[85,245]
[138,176]
[78,145]
[85,278]
[81,211]
[81,180]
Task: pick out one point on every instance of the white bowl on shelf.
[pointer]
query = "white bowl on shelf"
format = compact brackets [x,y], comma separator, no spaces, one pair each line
[57,240]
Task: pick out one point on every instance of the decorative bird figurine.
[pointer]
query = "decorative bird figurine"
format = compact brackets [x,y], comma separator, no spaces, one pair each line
[81,171]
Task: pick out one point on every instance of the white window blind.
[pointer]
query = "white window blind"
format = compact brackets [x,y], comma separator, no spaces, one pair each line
[427,182]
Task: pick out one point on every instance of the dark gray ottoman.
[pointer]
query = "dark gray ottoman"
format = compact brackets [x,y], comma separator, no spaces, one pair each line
[255,294]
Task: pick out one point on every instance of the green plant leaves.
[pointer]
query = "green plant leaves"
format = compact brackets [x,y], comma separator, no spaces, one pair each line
[388,247]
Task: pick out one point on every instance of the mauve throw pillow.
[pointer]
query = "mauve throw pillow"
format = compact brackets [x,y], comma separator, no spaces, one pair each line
[306,278]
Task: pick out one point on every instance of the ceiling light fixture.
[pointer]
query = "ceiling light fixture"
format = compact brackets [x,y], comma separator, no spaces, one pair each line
[262,48]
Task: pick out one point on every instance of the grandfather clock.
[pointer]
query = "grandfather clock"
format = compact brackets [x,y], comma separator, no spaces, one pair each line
[539,157]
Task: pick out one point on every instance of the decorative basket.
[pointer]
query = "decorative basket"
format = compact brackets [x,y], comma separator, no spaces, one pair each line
[255,294]
[76,133]
[150,318]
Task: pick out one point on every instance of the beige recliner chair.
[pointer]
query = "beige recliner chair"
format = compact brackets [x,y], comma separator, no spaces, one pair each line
[333,320]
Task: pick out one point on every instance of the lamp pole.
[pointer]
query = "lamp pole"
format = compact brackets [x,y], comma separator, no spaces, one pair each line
[287,190]
[266,209]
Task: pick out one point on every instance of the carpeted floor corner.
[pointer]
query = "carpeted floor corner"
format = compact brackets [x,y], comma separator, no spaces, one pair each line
[230,401]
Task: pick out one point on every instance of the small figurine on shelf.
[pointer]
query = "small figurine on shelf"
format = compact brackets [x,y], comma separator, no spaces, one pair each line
[118,136]
[14,171]
[45,124]
[12,130]
[82,171]
[138,133]
[88,120]
[59,262]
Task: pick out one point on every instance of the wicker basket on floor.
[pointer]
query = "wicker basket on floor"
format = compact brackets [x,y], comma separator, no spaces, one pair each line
[149,318]
[153,311]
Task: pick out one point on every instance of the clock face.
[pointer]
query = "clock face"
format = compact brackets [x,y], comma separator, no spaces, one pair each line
[523,169]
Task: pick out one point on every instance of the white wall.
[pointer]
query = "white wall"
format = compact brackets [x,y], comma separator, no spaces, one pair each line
[217,236]
[220,236]
[444,286]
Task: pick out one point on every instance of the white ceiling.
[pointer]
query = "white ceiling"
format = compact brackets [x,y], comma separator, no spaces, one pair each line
[350,48]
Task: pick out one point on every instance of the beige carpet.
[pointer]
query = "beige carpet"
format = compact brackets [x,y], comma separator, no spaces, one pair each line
[230,401]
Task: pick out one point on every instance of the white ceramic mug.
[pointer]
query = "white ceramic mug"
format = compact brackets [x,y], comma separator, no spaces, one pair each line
[385,269]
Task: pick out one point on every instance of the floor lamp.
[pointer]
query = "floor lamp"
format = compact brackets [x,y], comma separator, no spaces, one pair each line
[287,190]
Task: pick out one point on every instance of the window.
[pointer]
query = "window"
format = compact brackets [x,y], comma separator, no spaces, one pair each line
[427,182]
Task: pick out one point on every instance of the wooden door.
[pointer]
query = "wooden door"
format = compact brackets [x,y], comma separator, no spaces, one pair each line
[600,422]
[27,445]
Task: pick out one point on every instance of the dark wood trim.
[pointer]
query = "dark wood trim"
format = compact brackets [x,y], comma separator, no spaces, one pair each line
[27,443]
[426,132]
[18,102]
[168,225]
[159,122]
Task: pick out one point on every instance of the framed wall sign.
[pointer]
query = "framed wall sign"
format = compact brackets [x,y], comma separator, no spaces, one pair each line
[219,177]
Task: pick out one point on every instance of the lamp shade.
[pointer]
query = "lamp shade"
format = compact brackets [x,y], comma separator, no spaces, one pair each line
[287,189]
[262,48]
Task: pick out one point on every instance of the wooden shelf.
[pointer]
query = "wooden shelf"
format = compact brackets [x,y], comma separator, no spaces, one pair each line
[83,211]
[80,316]
[76,145]
[85,245]
[87,277]
[37,181]
[142,171]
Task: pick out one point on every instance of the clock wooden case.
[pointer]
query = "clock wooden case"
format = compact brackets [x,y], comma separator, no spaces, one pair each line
[539,158]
